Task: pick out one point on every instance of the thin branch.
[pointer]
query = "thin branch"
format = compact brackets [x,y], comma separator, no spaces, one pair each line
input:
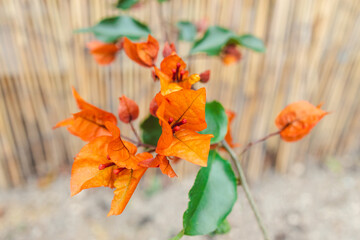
[250,144]
[246,188]
[140,144]
[135,132]
[128,139]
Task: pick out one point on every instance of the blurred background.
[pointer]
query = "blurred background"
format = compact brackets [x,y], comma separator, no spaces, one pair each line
[305,190]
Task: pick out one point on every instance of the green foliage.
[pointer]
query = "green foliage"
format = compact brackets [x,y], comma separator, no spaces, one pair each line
[215,38]
[223,228]
[211,198]
[187,31]
[113,28]
[161,1]
[151,130]
[216,120]
[251,42]
[178,236]
[126,4]
[213,41]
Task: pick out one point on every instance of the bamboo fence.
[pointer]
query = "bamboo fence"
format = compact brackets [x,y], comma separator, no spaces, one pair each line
[312,54]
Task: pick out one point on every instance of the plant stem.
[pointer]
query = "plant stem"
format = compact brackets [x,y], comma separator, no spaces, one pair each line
[128,139]
[135,132]
[141,144]
[250,144]
[178,236]
[246,188]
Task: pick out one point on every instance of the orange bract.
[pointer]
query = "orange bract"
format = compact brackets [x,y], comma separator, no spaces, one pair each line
[297,119]
[125,184]
[153,107]
[144,53]
[169,49]
[173,76]
[230,54]
[121,152]
[88,123]
[161,162]
[181,114]
[172,62]
[85,170]
[184,104]
[104,53]
[128,109]
[108,161]
[189,145]
[228,136]
[205,76]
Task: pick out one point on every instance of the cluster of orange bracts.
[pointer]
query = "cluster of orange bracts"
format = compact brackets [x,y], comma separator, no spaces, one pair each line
[110,161]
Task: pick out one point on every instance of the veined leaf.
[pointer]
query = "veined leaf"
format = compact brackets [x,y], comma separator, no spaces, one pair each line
[151,130]
[215,38]
[213,41]
[126,4]
[216,120]
[251,42]
[187,31]
[223,228]
[211,198]
[113,28]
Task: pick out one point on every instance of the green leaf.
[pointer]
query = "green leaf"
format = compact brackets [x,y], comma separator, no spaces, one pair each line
[251,42]
[187,31]
[178,236]
[126,4]
[213,41]
[215,38]
[151,130]
[212,197]
[161,1]
[216,120]
[223,228]
[111,29]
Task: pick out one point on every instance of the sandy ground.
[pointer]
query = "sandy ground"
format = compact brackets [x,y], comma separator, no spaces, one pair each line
[322,202]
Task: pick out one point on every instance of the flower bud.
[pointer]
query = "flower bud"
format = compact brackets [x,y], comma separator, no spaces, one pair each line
[205,76]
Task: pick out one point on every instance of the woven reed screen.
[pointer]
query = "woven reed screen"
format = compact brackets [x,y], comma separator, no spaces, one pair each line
[312,54]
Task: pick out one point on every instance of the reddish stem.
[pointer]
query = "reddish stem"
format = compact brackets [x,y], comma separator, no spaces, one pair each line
[135,132]
[250,144]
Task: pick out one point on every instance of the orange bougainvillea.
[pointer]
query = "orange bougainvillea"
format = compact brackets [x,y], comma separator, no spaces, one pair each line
[89,123]
[104,53]
[173,76]
[169,49]
[128,109]
[161,162]
[144,53]
[112,160]
[153,107]
[228,136]
[108,161]
[205,76]
[181,115]
[230,54]
[297,119]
